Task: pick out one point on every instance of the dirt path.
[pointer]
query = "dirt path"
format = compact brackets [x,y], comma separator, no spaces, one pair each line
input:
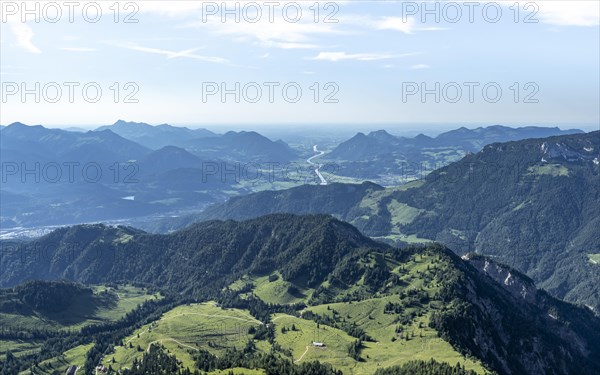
[171,339]
[215,316]
[302,356]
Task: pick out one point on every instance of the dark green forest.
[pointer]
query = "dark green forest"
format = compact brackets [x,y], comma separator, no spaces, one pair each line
[308,251]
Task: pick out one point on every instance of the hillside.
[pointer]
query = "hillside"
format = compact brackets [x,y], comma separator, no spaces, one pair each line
[392,300]
[304,199]
[62,305]
[243,146]
[532,204]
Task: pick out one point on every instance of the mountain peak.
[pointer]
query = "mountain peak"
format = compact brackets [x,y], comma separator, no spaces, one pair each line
[422,136]
[128,123]
[380,132]
[20,129]
[382,135]
[17,124]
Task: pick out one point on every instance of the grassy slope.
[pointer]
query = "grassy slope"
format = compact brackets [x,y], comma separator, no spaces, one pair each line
[400,213]
[196,325]
[594,258]
[273,291]
[300,340]
[369,314]
[72,357]
[18,347]
[184,329]
[391,348]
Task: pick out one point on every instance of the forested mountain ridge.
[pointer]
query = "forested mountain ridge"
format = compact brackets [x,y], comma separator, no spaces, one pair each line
[532,204]
[304,199]
[469,309]
[301,247]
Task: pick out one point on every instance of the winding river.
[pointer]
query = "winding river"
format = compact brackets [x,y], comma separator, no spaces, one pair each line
[316,165]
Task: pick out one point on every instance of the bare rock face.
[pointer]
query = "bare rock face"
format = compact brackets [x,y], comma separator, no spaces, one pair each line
[515,282]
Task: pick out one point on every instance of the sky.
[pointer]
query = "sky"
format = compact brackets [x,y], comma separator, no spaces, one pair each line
[338,63]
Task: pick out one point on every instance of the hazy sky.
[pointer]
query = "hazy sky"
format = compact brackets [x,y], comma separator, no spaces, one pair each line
[374,58]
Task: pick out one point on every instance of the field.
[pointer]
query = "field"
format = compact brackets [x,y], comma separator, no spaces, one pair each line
[187,328]
[402,213]
[73,357]
[184,329]
[594,258]
[554,170]
[392,348]
[18,347]
[299,341]
[276,291]
[396,340]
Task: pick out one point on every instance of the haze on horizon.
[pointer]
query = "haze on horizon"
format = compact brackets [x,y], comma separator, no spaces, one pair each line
[173,57]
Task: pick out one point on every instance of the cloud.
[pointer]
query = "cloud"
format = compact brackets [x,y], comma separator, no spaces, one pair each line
[171,8]
[277,34]
[395,23]
[289,45]
[420,66]
[559,12]
[340,56]
[406,25]
[569,13]
[24,35]
[77,49]
[189,53]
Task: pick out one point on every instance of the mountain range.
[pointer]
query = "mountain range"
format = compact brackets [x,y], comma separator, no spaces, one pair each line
[155,136]
[509,326]
[532,204]
[55,176]
[379,153]
[446,266]
[243,146]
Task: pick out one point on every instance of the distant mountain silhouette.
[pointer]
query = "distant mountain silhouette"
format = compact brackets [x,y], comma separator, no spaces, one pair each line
[155,137]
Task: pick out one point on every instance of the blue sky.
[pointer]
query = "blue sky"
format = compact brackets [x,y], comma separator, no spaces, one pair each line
[370,57]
